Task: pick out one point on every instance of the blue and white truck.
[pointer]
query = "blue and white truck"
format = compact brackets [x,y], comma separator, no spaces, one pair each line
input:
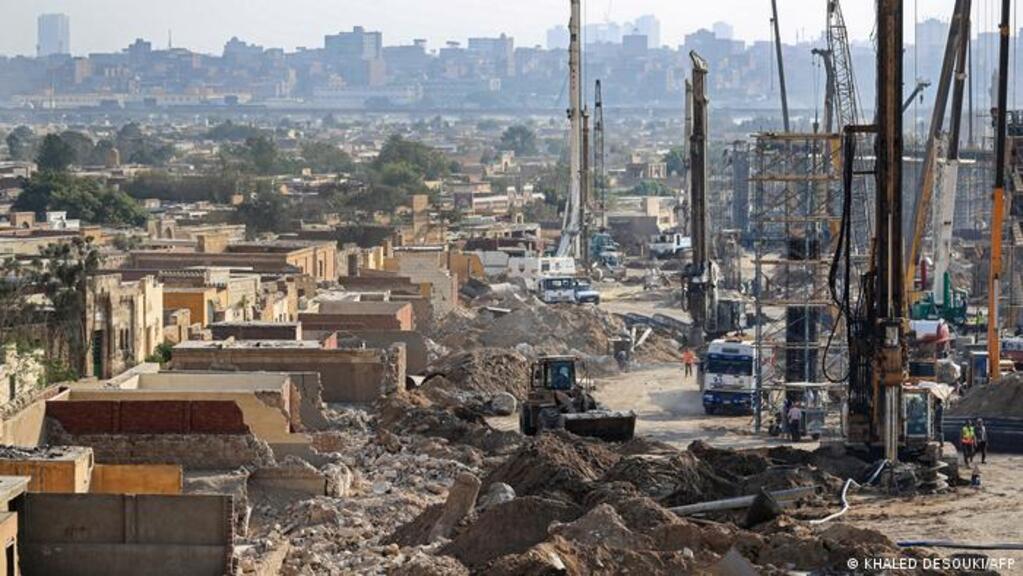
[728,377]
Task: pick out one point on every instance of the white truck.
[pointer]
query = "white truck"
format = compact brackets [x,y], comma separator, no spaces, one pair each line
[669,245]
[566,290]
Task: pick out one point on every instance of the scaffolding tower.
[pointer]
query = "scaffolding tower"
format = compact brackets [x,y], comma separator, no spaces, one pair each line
[797,191]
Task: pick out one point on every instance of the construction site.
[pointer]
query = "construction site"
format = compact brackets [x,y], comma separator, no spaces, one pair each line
[805,358]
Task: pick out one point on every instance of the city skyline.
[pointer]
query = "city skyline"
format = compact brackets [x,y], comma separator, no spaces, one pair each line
[110,25]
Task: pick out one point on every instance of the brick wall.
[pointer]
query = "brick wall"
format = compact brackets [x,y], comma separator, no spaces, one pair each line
[190,451]
[148,417]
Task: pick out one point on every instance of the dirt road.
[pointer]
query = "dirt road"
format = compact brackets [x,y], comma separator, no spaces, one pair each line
[991,514]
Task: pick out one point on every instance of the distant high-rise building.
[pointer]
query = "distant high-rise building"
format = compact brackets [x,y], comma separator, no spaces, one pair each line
[650,27]
[358,44]
[723,30]
[358,55]
[54,35]
[501,50]
[634,45]
[558,38]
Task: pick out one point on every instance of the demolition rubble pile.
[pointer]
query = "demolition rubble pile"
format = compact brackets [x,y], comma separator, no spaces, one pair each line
[533,328]
[564,504]
[422,488]
[1002,401]
[382,481]
[478,375]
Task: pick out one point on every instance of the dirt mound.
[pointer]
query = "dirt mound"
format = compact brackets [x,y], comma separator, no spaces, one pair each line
[697,481]
[484,372]
[509,528]
[736,464]
[1002,400]
[555,465]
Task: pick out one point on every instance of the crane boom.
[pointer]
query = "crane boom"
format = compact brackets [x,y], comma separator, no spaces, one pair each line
[781,66]
[957,33]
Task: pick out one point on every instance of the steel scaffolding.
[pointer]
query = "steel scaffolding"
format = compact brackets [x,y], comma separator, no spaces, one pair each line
[797,192]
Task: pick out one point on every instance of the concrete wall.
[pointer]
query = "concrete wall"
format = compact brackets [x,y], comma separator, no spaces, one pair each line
[346,375]
[27,428]
[416,355]
[136,479]
[71,475]
[360,315]
[9,539]
[114,535]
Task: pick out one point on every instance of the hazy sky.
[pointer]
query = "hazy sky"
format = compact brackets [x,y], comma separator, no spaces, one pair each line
[204,25]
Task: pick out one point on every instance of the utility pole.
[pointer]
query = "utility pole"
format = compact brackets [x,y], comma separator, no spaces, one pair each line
[781,66]
[998,201]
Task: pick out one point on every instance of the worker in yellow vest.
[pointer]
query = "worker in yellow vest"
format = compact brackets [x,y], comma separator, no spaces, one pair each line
[968,441]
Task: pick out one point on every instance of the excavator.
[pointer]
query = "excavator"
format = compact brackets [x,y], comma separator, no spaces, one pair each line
[557,401]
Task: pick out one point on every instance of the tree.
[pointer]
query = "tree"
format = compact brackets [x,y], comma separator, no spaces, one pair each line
[136,147]
[262,152]
[62,271]
[21,143]
[81,198]
[430,163]
[82,147]
[265,211]
[676,161]
[323,157]
[234,132]
[55,155]
[519,139]
[650,188]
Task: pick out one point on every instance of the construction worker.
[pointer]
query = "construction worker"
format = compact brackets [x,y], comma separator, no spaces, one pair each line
[795,418]
[967,440]
[980,434]
[688,359]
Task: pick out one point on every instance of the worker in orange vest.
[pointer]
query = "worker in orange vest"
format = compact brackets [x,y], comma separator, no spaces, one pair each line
[688,359]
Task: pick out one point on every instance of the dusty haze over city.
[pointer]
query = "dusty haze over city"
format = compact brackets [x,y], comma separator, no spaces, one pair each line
[202,25]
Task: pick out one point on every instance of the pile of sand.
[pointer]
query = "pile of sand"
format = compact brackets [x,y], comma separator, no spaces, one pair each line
[1001,400]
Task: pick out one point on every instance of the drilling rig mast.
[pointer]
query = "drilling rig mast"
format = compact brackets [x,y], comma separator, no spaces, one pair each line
[701,273]
[598,157]
[572,220]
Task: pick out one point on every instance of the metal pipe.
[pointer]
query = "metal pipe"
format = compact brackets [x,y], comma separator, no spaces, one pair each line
[742,501]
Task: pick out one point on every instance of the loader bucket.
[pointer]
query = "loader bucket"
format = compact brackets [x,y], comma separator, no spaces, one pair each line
[603,424]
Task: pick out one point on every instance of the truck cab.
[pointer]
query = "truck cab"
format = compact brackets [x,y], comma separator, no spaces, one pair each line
[556,289]
[669,245]
[727,377]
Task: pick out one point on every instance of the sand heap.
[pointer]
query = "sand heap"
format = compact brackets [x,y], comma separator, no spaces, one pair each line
[1001,400]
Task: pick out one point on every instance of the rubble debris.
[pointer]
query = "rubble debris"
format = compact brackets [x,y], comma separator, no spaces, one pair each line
[484,372]
[503,404]
[548,329]
[422,564]
[498,493]
[461,500]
